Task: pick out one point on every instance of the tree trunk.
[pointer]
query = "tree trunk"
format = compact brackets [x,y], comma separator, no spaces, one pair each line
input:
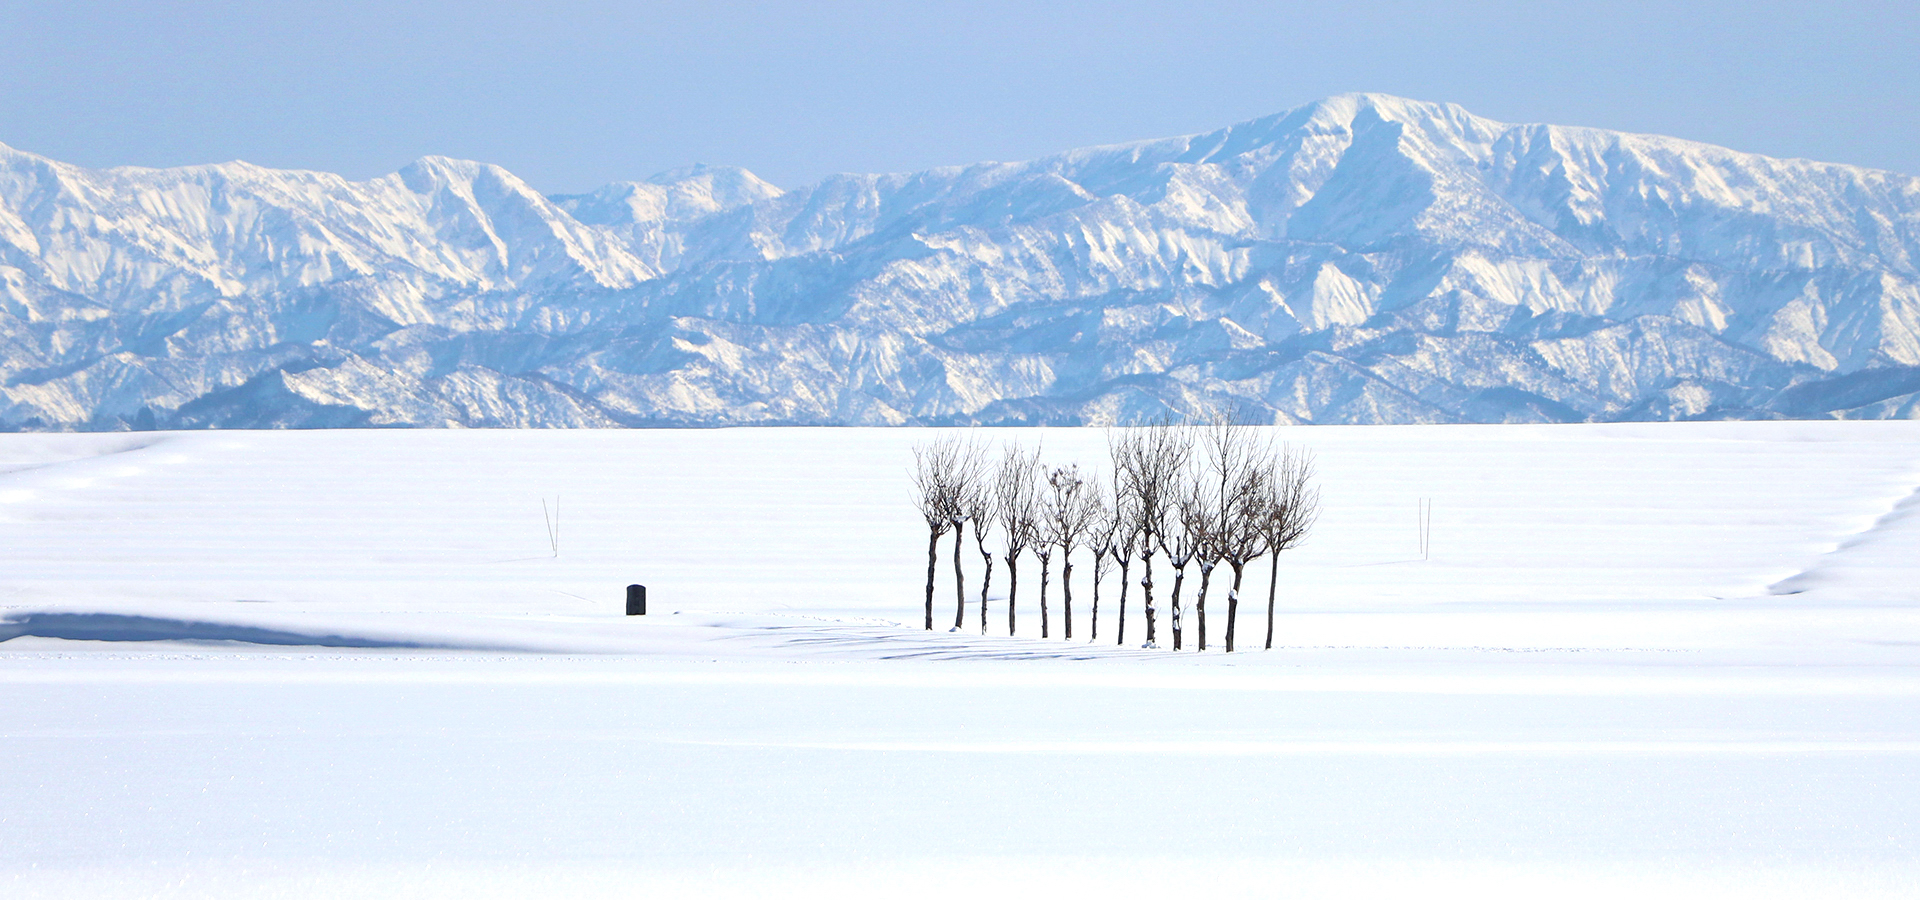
[1045,563]
[1173,602]
[985,580]
[959,578]
[1013,589]
[1233,602]
[1121,624]
[1273,581]
[1066,595]
[1093,620]
[1146,594]
[1200,605]
[933,559]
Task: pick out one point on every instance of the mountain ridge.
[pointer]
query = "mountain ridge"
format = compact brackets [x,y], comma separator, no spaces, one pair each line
[1363,258]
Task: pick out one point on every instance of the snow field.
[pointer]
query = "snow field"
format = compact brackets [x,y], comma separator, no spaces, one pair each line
[1591,688]
[1542,535]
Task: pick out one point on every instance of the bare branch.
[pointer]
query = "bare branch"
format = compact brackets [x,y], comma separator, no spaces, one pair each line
[1070,508]
[1147,465]
[1102,532]
[1290,505]
[938,482]
[978,501]
[1017,509]
[937,478]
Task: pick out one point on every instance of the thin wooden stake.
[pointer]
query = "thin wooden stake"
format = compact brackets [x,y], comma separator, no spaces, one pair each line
[1426,528]
[553,524]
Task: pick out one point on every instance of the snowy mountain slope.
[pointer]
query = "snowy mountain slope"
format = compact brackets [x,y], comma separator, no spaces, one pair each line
[1361,259]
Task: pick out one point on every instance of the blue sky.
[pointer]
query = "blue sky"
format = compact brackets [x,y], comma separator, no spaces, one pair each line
[571,94]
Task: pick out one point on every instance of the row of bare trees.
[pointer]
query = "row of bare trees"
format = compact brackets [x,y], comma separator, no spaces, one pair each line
[1200,496]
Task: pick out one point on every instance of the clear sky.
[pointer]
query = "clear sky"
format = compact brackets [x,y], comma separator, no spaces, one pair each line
[571,94]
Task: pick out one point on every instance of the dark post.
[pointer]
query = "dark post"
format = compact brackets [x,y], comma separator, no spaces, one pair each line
[636,599]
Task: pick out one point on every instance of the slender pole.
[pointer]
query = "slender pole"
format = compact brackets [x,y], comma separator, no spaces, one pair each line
[1426,527]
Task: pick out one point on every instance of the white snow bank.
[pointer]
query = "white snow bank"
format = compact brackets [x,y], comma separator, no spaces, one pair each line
[1665,535]
[1877,565]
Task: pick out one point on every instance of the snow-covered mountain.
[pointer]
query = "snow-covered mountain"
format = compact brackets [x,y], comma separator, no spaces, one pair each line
[1360,259]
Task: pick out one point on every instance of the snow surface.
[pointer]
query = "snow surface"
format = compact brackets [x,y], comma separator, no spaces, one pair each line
[1677,659]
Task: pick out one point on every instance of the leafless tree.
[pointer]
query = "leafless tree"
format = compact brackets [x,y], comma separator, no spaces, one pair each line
[1017,506]
[1043,549]
[1290,505]
[1235,461]
[1242,541]
[1071,507]
[967,476]
[1125,543]
[936,479]
[1242,464]
[1102,540]
[978,502]
[1183,538]
[1147,463]
[1207,522]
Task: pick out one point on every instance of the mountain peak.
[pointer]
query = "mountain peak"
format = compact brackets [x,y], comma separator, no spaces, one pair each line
[677,194]
[448,167]
[1362,258]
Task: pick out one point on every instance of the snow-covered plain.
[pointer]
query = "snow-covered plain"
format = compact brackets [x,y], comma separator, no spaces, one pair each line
[1679,659]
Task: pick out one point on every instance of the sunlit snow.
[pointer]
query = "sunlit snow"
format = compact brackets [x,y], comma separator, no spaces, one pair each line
[1360,259]
[1676,660]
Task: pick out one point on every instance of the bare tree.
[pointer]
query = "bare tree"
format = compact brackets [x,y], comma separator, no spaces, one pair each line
[1290,506]
[1183,537]
[936,474]
[978,501]
[1206,521]
[1236,466]
[1102,536]
[1125,542]
[1070,510]
[1017,506]
[1147,463]
[1243,540]
[967,476]
[1043,549]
